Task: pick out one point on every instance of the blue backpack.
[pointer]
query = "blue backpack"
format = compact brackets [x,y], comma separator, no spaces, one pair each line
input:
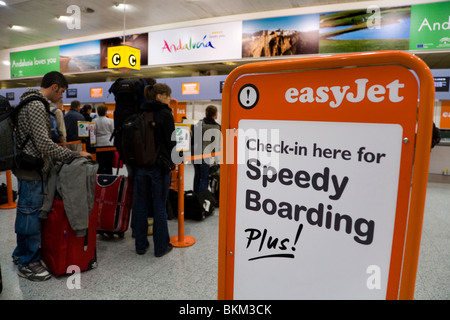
[54,128]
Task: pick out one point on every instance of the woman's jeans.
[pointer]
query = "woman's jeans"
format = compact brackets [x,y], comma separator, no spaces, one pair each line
[151,186]
[28,225]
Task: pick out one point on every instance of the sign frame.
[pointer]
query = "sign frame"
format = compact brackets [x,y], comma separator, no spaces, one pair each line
[416,197]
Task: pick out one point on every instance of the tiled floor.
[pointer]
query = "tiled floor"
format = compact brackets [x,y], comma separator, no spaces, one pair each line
[191,273]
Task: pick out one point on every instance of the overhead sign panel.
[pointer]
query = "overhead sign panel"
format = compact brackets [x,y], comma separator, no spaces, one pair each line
[202,43]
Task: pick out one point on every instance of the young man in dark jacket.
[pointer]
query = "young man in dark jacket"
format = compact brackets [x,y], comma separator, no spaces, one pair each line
[34,126]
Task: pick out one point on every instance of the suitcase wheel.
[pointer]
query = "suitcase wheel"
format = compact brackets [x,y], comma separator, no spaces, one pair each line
[92,264]
[110,234]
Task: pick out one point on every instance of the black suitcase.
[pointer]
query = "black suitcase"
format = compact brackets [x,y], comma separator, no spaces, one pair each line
[214,183]
[196,206]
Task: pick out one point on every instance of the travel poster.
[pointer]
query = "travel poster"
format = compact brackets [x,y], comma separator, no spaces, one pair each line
[80,57]
[365,30]
[280,36]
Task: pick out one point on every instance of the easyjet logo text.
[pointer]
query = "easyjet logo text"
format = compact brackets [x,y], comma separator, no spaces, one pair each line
[354,93]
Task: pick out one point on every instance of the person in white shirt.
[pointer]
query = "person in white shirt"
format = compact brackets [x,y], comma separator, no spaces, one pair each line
[104,129]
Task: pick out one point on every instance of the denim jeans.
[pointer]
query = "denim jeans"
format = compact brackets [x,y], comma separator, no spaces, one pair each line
[201,177]
[151,187]
[28,225]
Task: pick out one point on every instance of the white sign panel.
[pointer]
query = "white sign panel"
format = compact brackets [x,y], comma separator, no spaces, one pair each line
[183,137]
[316,202]
[202,43]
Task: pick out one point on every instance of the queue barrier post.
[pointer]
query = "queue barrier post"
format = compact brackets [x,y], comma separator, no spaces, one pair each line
[182,240]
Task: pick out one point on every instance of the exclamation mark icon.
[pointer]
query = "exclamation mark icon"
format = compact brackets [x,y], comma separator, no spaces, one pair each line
[299,231]
[248,96]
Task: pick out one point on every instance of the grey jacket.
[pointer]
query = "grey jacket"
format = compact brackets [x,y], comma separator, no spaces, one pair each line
[74,181]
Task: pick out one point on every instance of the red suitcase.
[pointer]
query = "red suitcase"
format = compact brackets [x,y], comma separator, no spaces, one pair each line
[113,201]
[61,247]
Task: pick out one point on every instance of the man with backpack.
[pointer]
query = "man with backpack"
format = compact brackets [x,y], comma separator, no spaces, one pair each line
[33,135]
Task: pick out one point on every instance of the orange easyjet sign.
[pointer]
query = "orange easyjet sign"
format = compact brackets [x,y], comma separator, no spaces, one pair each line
[317,178]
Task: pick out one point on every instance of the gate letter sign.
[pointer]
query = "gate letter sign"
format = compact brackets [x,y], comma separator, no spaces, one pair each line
[124,57]
[317,176]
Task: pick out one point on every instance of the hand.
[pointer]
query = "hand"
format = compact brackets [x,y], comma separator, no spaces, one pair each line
[85,154]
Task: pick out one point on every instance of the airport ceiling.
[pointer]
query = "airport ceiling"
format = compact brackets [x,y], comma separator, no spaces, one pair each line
[103,16]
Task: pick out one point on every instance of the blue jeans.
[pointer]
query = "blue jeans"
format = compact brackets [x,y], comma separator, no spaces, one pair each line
[151,187]
[28,225]
[201,177]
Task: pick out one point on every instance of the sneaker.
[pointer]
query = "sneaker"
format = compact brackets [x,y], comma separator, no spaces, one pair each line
[34,272]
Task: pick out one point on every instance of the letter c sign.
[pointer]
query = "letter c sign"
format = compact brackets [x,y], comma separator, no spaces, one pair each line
[116,59]
[124,57]
[132,60]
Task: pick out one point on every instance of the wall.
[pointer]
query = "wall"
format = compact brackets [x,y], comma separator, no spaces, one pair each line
[209,89]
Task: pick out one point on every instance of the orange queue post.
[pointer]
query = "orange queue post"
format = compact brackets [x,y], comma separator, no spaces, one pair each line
[181,240]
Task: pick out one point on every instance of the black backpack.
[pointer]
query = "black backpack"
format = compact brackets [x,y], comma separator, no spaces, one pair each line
[10,152]
[436,136]
[138,139]
[128,95]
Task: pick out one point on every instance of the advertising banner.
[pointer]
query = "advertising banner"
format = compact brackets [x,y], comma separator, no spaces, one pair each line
[280,36]
[34,62]
[369,29]
[80,57]
[430,26]
[202,43]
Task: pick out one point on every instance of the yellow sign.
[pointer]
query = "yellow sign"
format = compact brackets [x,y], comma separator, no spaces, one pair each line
[124,57]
